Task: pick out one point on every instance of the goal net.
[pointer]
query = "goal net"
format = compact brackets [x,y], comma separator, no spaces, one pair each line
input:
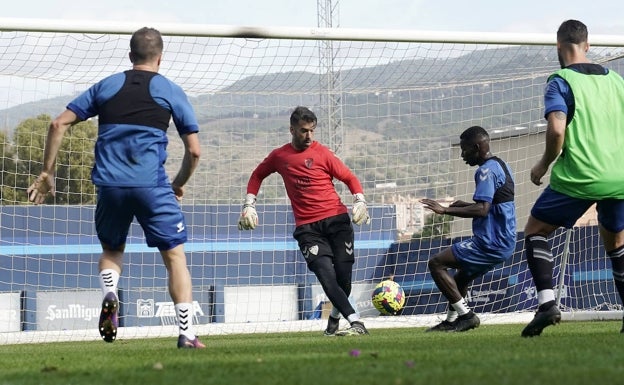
[390,105]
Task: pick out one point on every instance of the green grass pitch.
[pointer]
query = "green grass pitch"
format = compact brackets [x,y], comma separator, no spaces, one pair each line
[569,353]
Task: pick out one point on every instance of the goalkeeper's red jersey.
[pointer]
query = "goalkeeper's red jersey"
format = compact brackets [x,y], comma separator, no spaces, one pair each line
[308,176]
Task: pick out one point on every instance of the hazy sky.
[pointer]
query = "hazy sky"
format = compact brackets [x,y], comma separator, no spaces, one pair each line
[525,16]
[529,16]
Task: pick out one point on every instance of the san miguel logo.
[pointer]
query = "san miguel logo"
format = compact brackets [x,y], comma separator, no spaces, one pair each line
[309,162]
[71,311]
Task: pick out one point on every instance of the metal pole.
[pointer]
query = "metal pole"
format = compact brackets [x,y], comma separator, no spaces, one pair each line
[564,264]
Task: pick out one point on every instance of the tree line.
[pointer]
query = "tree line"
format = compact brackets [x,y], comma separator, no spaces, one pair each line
[21,160]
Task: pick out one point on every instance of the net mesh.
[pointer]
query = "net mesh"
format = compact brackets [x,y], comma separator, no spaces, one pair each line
[402,107]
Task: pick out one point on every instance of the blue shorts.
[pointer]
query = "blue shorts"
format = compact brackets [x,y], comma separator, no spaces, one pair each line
[559,209]
[155,208]
[476,261]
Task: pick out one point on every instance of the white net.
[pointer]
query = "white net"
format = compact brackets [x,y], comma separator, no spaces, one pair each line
[401,108]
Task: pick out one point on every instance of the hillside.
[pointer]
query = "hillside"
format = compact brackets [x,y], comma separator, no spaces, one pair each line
[398,119]
[425,86]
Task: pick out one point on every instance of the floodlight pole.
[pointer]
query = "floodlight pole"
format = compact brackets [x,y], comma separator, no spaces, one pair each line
[330,104]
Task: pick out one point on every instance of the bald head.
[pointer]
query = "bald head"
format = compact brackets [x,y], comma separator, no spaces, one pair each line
[146,46]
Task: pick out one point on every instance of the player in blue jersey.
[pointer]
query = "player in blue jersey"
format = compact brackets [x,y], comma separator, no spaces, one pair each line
[584,111]
[134,109]
[493,225]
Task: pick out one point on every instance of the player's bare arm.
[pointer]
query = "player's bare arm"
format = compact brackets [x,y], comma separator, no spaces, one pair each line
[555,133]
[44,184]
[192,152]
[472,210]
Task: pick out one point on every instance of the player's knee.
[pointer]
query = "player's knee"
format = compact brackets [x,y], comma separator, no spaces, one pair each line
[536,227]
[113,250]
[435,264]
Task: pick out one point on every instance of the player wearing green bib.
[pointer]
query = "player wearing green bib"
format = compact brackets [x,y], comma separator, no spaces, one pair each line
[584,108]
[590,165]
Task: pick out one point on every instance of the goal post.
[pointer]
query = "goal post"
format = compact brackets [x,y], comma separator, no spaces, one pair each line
[405,96]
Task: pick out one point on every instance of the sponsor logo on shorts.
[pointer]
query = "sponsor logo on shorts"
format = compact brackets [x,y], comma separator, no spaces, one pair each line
[349,247]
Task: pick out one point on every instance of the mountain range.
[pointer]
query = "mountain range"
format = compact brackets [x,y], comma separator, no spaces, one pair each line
[419,86]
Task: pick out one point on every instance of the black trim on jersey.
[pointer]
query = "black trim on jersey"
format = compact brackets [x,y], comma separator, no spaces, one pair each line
[133,104]
[506,192]
[588,68]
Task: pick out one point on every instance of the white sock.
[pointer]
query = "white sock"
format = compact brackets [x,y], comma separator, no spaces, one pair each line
[335,313]
[109,279]
[353,317]
[353,304]
[461,307]
[184,315]
[544,296]
[451,315]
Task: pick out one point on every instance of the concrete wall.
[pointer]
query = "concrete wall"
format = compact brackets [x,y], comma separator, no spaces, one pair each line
[521,149]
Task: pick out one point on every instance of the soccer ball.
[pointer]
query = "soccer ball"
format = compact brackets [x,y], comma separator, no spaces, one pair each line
[388,297]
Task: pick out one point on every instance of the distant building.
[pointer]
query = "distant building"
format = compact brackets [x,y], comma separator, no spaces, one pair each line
[411,215]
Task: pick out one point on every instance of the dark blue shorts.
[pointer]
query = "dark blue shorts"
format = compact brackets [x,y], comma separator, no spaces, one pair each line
[559,209]
[155,208]
[475,261]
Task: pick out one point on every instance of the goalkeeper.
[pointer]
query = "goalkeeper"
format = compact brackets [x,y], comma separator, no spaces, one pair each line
[323,228]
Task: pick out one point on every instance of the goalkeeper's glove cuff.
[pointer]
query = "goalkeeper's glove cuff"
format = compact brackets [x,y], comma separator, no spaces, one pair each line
[360,211]
[250,200]
[249,217]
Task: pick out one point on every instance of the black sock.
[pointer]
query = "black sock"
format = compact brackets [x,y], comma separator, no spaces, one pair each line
[617,267]
[540,260]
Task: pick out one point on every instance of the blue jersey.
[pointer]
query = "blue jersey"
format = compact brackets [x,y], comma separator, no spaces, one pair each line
[134,109]
[497,230]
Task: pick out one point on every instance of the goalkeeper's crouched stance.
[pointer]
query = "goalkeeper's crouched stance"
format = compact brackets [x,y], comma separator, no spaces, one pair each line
[323,230]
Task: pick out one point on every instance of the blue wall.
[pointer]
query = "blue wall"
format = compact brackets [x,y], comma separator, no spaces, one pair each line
[588,280]
[55,248]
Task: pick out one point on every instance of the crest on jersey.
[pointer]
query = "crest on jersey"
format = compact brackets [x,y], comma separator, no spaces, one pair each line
[309,162]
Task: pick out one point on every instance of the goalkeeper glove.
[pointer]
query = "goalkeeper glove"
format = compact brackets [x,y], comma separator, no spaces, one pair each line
[249,217]
[359,213]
